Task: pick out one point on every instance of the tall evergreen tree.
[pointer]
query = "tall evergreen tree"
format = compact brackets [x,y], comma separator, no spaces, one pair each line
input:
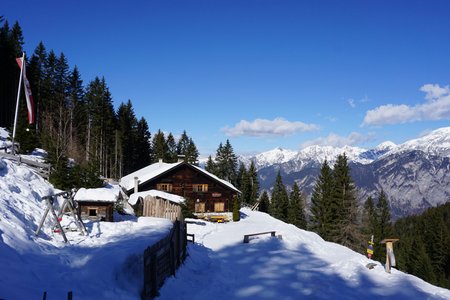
[226,162]
[345,230]
[369,221]
[171,155]
[191,155]
[280,200]
[321,216]
[252,175]
[159,146]
[143,148]
[125,150]
[296,213]
[77,117]
[210,166]
[264,202]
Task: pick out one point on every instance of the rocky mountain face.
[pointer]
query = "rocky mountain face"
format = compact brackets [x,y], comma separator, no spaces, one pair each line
[415,175]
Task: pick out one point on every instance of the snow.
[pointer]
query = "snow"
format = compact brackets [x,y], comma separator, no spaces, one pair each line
[145,174]
[106,194]
[301,265]
[156,169]
[155,193]
[4,134]
[107,263]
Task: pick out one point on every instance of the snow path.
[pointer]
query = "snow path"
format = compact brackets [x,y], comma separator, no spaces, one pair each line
[300,266]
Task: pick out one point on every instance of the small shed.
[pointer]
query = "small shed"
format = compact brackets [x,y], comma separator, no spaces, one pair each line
[97,204]
[157,204]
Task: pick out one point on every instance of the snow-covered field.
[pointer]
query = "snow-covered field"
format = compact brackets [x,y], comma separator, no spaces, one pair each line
[301,265]
[107,263]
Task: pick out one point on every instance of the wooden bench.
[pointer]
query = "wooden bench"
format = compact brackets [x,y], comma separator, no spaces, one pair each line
[247,236]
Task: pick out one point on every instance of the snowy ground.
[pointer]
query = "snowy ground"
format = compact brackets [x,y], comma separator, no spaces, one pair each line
[106,264]
[299,266]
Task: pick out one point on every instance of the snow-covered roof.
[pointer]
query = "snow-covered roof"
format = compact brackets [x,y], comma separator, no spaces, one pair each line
[145,174]
[155,193]
[106,194]
[156,169]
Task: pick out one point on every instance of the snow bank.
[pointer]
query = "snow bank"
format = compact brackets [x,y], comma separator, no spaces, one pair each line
[301,265]
[105,264]
[155,193]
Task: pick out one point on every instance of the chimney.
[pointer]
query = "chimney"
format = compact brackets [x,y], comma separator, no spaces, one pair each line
[136,184]
[181,158]
[160,161]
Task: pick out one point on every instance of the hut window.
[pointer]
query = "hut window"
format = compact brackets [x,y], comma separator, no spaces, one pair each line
[199,207]
[219,206]
[92,212]
[167,187]
[200,187]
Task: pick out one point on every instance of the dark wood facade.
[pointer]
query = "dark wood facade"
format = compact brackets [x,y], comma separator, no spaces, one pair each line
[203,193]
[96,210]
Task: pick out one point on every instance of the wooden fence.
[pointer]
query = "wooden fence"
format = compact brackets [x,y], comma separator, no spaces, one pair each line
[40,168]
[163,258]
[161,208]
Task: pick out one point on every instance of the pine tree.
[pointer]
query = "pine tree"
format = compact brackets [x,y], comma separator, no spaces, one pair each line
[264,202]
[159,146]
[252,175]
[191,155]
[296,213]
[143,149]
[226,163]
[369,220]
[183,143]
[171,155]
[210,166]
[321,217]
[77,117]
[383,217]
[127,131]
[280,201]
[345,227]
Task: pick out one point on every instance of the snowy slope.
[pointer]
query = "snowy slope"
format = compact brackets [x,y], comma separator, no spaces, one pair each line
[299,266]
[106,264]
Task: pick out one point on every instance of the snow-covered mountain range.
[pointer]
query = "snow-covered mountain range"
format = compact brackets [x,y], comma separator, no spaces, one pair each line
[415,175]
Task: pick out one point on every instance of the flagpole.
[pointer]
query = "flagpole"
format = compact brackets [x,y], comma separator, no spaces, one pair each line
[17,104]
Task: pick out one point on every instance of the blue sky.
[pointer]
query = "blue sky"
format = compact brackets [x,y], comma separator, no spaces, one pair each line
[261,73]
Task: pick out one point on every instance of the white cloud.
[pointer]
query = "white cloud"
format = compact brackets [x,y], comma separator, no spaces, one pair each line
[263,127]
[335,140]
[437,107]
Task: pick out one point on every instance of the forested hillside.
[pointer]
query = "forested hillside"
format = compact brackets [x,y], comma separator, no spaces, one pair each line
[85,136]
[424,246]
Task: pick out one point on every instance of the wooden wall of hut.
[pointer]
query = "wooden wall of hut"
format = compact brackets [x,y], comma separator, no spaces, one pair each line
[161,208]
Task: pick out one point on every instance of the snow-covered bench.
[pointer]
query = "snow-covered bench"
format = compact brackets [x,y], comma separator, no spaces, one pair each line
[247,236]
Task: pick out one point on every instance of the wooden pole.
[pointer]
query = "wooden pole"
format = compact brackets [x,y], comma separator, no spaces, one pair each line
[390,257]
[17,105]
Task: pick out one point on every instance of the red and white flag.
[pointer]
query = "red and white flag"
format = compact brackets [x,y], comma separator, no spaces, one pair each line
[28,96]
